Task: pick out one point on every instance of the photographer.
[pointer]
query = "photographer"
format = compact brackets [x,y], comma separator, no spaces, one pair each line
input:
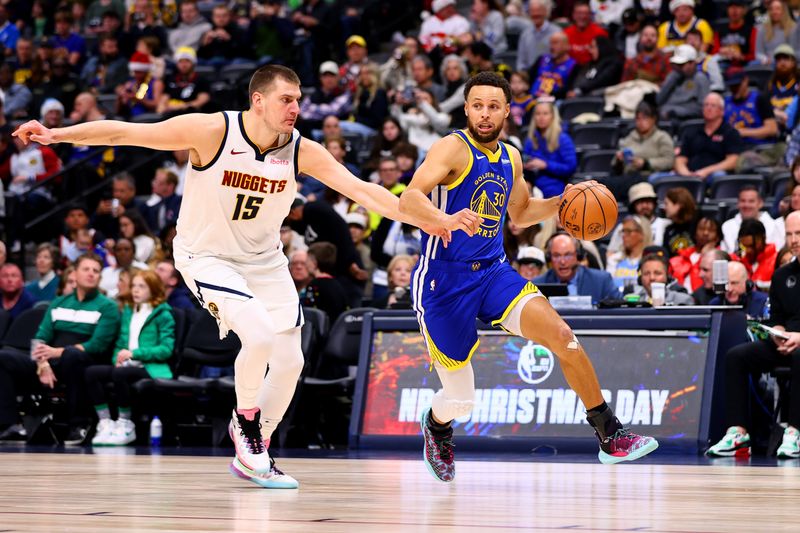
[399,296]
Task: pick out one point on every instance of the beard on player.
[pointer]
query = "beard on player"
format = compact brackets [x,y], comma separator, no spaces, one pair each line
[485,136]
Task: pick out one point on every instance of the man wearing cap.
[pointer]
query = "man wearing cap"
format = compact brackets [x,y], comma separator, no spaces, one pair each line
[562,252]
[535,39]
[681,96]
[673,33]
[358,225]
[628,37]
[106,70]
[642,200]
[530,262]
[443,27]
[783,85]
[650,63]
[750,112]
[356,58]
[708,64]
[582,32]
[190,30]
[140,93]
[330,98]
[736,41]
[186,91]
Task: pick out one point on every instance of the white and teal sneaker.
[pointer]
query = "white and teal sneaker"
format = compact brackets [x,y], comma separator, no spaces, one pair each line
[735,443]
[274,479]
[790,447]
[105,428]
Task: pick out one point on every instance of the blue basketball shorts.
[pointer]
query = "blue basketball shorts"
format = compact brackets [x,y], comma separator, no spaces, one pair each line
[448,296]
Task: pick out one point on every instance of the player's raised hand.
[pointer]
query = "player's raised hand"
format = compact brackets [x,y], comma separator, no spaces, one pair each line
[34,131]
[466,220]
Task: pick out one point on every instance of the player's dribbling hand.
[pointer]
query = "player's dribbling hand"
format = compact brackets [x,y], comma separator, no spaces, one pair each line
[465,220]
[34,131]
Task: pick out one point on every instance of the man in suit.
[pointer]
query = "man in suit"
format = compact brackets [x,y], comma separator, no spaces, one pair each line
[564,253]
[742,291]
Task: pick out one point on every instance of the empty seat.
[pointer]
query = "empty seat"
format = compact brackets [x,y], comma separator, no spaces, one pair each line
[569,109]
[596,161]
[597,135]
[688,125]
[696,187]
[729,186]
[759,75]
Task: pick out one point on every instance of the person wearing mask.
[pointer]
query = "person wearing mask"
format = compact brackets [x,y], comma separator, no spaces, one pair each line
[564,254]
[549,154]
[654,269]
[742,291]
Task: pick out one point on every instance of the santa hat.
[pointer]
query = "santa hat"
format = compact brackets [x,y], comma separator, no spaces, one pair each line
[140,62]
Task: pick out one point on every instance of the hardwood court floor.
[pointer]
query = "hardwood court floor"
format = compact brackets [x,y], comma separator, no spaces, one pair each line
[121,493]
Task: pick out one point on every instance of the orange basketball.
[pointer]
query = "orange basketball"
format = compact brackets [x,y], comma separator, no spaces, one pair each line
[588,211]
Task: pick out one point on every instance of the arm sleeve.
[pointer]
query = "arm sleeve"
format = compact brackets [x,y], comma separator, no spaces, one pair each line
[163,349]
[106,331]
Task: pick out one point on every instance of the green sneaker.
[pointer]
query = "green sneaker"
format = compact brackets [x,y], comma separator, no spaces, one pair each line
[735,443]
[790,447]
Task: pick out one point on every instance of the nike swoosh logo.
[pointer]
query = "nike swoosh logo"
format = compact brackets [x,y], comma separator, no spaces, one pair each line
[233,152]
[480,157]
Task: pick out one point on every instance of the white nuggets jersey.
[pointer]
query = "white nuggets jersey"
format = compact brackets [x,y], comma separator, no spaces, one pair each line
[233,207]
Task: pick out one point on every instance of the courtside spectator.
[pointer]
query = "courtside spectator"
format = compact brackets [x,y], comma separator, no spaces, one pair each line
[750,206]
[564,255]
[741,291]
[757,254]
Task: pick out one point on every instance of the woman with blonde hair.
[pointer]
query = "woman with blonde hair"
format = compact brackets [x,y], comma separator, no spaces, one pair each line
[146,342]
[774,31]
[548,155]
[624,264]
[399,274]
[370,103]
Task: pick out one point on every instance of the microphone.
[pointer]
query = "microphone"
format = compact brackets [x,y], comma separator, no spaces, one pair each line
[720,275]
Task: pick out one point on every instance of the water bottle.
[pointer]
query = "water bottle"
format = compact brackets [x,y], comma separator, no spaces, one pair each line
[155,432]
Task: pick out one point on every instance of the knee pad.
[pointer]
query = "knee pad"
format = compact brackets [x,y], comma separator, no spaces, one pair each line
[447,409]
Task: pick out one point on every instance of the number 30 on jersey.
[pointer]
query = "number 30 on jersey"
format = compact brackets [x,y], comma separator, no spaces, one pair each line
[246,207]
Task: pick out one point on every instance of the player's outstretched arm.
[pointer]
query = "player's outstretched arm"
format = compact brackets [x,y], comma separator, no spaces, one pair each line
[192,131]
[446,156]
[524,210]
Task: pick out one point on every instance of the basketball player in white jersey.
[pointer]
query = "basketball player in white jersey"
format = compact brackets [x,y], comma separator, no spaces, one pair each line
[239,189]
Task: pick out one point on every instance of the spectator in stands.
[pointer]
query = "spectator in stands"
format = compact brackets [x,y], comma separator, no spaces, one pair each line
[225,41]
[22,62]
[407,156]
[685,265]
[681,209]
[534,41]
[758,255]
[711,150]
[564,254]
[641,201]
[123,198]
[782,86]
[774,31]
[324,292]
[604,69]
[610,14]
[392,238]
[358,224]
[673,33]
[270,32]
[705,293]
[12,287]
[488,24]
[98,8]
[9,33]
[753,358]
[396,71]
[479,58]
[443,28]
[191,29]
[44,288]
[388,136]
[61,84]
[370,103]
[186,91]
[742,291]
[624,264]
[76,218]
[516,237]
[707,63]
[646,149]
[522,102]
[103,72]
[329,99]
[337,146]
[86,109]
[69,342]
[554,73]
[750,205]
[530,262]
[125,259]
[736,41]
[16,97]
[298,268]
[684,90]
[144,346]
[653,269]
[164,203]
[582,32]
[454,76]
[549,153]
[399,288]
[144,21]
[67,281]
[356,50]
[133,226]
[389,178]
[628,38]
[649,63]
[424,122]
[141,92]
[65,39]
[749,111]
[175,289]
[422,75]
[316,30]
[784,256]
[52,114]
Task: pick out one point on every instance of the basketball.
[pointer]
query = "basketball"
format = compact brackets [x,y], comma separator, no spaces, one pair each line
[588,211]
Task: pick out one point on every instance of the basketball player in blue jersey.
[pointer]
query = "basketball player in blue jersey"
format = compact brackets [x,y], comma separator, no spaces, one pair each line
[239,189]
[471,169]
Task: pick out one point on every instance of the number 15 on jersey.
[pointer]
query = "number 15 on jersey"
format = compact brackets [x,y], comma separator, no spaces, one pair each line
[246,207]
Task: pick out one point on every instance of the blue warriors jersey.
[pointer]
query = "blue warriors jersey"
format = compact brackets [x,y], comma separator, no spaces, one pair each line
[745,114]
[484,187]
[781,94]
[552,77]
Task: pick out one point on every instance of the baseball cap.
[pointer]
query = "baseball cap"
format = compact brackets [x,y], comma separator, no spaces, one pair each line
[784,50]
[675,4]
[738,2]
[186,52]
[356,219]
[530,254]
[438,5]
[356,39]
[329,67]
[683,54]
[629,16]
[734,76]
[641,191]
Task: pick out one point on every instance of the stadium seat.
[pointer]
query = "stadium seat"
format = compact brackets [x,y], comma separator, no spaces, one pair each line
[509,57]
[206,71]
[688,125]
[759,75]
[600,135]
[237,73]
[696,187]
[729,186]
[21,330]
[778,183]
[596,161]
[569,109]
